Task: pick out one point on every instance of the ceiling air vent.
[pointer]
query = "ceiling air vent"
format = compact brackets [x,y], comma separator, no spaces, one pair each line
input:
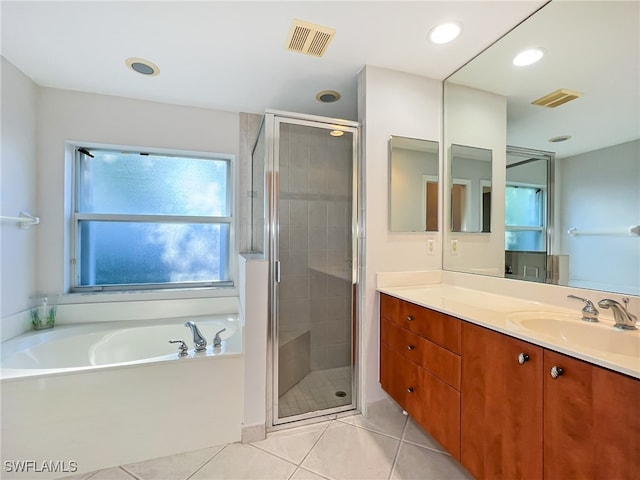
[557,98]
[305,37]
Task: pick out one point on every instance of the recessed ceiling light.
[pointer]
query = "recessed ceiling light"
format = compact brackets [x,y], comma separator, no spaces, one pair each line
[444,33]
[528,57]
[328,96]
[142,66]
[560,138]
[336,133]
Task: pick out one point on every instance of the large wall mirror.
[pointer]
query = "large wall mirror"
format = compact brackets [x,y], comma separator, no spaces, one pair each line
[413,189]
[470,185]
[570,147]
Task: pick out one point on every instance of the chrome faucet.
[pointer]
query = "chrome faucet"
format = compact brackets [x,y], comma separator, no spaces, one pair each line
[624,319]
[199,342]
[589,312]
[217,340]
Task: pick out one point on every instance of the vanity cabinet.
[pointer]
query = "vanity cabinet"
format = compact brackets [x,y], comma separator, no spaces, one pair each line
[591,421]
[501,423]
[520,421]
[420,367]
[491,400]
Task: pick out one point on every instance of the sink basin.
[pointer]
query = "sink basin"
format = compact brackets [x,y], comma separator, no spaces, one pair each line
[570,329]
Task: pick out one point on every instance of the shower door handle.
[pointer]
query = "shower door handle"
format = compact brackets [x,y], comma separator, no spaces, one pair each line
[277,271]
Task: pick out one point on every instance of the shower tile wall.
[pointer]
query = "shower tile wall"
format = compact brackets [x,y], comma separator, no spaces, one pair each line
[315,242]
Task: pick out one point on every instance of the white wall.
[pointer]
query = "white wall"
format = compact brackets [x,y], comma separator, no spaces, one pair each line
[389,103]
[600,191]
[67,116]
[18,181]
[477,119]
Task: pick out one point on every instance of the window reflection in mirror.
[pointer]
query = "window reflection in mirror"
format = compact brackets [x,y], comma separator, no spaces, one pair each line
[470,189]
[413,193]
[528,212]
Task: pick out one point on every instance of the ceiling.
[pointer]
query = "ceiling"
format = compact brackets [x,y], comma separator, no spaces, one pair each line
[596,52]
[232,56]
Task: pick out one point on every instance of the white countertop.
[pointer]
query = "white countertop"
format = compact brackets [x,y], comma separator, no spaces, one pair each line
[501,313]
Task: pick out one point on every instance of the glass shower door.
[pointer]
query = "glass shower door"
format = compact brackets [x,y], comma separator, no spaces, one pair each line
[312,249]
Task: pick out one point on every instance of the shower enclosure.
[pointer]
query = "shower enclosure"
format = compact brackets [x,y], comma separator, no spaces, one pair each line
[304,218]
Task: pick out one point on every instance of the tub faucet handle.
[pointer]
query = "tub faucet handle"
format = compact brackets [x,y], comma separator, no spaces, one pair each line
[589,312]
[217,341]
[182,349]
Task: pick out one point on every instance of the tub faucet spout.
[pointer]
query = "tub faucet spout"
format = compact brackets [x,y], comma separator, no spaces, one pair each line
[199,342]
[623,317]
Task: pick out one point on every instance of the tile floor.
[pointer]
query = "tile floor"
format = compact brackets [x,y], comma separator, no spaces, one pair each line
[385,445]
[317,391]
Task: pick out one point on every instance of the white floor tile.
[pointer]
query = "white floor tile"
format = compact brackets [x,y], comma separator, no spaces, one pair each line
[293,444]
[415,434]
[174,467]
[417,463]
[115,473]
[346,452]
[302,474]
[384,416]
[244,462]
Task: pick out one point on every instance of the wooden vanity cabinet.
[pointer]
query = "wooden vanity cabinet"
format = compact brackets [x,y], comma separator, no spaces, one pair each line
[420,367]
[501,425]
[491,401]
[591,421]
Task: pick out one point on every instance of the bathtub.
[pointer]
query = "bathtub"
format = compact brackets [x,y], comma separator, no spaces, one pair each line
[85,397]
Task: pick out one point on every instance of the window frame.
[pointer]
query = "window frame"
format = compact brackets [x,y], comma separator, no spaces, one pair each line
[543,214]
[77,217]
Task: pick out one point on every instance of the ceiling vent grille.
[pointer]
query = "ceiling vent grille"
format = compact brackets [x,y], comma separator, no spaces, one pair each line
[308,38]
[557,98]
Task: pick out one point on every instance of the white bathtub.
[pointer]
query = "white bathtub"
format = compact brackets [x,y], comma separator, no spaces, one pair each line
[113,393]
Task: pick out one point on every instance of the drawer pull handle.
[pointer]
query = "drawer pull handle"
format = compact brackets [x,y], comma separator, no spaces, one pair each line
[410,389]
[523,358]
[410,347]
[556,372]
[409,318]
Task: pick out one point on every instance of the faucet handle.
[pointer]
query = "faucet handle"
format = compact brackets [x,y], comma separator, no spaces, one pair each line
[633,318]
[182,349]
[217,341]
[589,312]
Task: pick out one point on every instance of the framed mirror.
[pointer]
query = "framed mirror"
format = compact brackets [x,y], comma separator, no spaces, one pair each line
[578,106]
[413,188]
[470,187]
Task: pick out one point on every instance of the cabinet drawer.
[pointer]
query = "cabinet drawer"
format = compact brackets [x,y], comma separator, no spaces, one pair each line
[437,360]
[401,379]
[436,327]
[433,404]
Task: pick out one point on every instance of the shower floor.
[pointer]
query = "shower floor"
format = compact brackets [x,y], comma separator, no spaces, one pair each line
[317,391]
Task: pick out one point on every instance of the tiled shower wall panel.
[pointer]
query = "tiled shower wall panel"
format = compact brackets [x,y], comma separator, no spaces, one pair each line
[315,240]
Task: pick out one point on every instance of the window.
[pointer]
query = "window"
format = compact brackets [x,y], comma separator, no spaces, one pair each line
[148,221]
[525,208]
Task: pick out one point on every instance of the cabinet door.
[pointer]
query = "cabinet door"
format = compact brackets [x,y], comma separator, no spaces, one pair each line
[591,421]
[501,431]
[401,379]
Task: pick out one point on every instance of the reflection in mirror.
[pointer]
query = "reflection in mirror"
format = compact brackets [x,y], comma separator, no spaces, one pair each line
[470,189]
[528,212]
[593,239]
[413,194]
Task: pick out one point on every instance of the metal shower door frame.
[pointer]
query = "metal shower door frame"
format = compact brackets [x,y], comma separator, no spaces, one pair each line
[273,120]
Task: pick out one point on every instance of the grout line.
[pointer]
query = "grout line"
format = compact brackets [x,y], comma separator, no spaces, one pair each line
[432,449]
[372,430]
[305,469]
[395,457]
[207,462]
[131,473]
[316,442]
